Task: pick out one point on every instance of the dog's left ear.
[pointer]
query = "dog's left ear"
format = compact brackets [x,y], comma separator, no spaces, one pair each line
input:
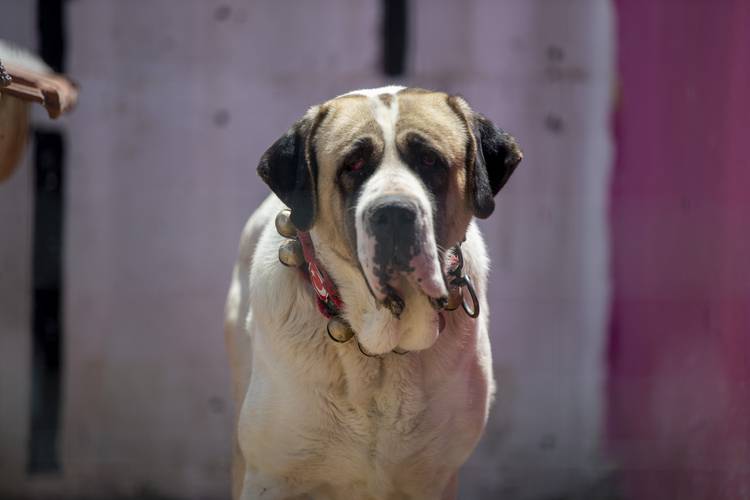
[289,168]
[497,156]
[491,157]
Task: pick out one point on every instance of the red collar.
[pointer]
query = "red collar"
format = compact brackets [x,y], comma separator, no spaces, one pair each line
[328,299]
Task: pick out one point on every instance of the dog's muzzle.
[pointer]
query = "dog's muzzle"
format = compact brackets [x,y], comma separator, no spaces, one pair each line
[392,224]
[397,248]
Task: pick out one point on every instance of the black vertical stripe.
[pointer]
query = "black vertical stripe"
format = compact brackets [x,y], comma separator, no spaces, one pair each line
[50,18]
[46,321]
[395,37]
[47,276]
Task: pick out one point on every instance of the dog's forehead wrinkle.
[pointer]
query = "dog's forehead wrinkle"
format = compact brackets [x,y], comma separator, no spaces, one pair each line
[433,129]
[392,112]
[409,138]
[348,122]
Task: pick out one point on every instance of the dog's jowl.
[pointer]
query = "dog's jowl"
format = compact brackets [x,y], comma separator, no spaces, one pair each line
[362,367]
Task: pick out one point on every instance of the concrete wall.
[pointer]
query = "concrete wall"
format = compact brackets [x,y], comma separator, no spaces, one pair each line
[179,98]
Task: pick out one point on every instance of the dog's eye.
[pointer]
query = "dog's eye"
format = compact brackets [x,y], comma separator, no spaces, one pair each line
[428,159]
[355,165]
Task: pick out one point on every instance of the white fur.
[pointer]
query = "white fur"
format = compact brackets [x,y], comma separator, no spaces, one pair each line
[11,54]
[388,89]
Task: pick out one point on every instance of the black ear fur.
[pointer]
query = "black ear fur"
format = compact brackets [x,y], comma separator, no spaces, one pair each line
[289,169]
[497,156]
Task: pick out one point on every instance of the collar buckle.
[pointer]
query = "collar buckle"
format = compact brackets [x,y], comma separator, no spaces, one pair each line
[460,280]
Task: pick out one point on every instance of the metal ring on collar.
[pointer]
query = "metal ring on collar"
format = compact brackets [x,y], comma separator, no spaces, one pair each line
[342,333]
[472,312]
[363,351]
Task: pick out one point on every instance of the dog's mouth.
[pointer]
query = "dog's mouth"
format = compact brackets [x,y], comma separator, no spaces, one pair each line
[393,262]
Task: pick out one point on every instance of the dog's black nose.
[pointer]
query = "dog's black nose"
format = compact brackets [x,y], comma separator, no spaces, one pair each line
[393,218]
[393,226]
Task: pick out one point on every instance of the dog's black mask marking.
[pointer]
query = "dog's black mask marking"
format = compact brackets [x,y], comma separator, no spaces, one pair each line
[497,156]
[290,169]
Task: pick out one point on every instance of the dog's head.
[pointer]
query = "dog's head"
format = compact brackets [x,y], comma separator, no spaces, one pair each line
[389,178]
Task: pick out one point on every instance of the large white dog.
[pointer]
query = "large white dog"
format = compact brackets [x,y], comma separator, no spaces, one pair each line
[366,372]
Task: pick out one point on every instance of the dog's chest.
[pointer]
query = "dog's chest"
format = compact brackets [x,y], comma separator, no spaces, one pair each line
[386,424]
[377,424]
[380,400]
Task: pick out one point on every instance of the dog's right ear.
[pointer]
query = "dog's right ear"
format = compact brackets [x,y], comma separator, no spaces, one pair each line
[289,168]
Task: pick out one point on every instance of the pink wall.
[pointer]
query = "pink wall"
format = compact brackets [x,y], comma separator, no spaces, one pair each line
[680,351]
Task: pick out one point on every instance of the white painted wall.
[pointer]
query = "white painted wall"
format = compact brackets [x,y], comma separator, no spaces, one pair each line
[178,100]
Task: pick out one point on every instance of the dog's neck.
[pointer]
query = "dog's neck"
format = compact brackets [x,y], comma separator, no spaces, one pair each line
[342,290]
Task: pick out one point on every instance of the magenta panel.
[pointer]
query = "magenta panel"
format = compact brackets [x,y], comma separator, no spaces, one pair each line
[679,418]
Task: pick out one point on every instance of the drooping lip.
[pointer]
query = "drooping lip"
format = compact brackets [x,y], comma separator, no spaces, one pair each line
[427,275]
[423,272]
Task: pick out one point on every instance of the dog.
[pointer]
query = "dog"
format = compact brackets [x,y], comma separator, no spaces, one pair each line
[366,373]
